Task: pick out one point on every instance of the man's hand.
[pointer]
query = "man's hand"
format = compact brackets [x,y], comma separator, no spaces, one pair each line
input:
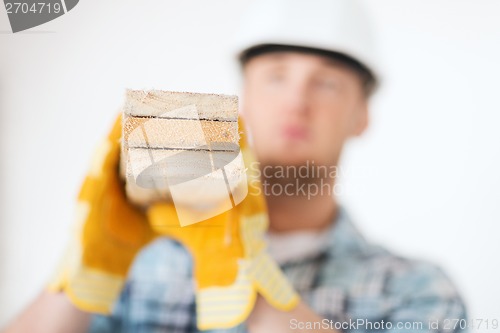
[50,313]
[265,318]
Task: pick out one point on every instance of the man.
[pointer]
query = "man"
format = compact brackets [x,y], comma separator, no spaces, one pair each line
[308,74]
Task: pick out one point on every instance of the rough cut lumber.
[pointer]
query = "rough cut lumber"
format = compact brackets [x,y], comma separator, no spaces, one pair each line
[182,147]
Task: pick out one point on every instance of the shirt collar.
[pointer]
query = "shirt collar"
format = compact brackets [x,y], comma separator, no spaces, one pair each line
[342,239]
[345,238]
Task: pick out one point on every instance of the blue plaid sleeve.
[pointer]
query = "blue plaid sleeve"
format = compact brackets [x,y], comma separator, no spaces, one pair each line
[158,295]
[384,293]
[426,295]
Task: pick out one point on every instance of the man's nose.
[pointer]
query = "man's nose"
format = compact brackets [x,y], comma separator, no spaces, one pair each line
[296,99]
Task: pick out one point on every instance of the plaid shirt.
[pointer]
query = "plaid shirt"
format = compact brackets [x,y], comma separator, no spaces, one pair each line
[360,286]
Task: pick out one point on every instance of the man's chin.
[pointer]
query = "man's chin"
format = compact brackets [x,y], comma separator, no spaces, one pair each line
[288,160]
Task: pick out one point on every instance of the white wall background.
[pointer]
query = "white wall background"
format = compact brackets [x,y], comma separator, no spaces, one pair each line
[424,180]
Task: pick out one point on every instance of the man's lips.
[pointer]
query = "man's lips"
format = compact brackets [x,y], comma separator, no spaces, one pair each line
[295,133]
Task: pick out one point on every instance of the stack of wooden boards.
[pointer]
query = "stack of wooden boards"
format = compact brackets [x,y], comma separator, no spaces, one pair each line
[183,148]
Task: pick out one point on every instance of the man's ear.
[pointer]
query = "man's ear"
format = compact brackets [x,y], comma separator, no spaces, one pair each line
[362,119]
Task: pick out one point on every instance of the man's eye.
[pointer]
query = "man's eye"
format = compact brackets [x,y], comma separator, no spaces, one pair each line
[326,83]
[276,77]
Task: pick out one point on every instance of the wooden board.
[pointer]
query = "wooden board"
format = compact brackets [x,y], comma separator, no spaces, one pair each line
[176,138]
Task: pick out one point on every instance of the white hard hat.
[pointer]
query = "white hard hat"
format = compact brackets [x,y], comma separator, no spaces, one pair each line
[340,26]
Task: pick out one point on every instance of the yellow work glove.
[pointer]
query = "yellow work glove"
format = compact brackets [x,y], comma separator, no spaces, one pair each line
[230,261]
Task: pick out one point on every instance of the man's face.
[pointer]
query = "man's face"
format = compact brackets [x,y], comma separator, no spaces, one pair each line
[301,107]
